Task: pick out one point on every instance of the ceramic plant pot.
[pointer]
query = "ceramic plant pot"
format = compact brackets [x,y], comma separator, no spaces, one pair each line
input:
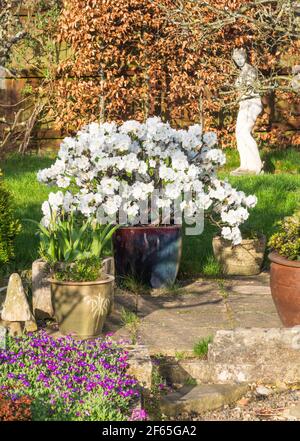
[148,253]
[245,259]
[81,308]
[285,288]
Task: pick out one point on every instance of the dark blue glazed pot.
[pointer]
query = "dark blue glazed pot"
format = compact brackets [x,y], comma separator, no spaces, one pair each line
[148,253]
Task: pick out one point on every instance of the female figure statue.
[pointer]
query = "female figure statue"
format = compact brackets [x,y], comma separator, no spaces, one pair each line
[250,108]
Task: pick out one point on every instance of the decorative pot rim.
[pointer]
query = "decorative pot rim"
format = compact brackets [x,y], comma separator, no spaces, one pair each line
[109,278]
[149,227]
[280,260]
[261,238]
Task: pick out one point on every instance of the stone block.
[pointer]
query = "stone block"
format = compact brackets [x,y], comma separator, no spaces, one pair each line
[108,266]
[41,291]
[256,354]
[198,399]
[140,365]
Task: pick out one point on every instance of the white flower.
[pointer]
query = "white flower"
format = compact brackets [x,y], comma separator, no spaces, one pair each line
[143,168]
[163,203]
[167,173]
[134,127]
[46,210]
[235,217]
[112,205]
[68,201]
[179,161]
[196,130]
[251,201]
[82,163]
[63,181]
[203,201]
[131,209]
[232,234]
[193,171]
[120,142]
[141,191]
[131,162]
[86,203]
[56,200]
[210,139]
[108,186]
[173,190]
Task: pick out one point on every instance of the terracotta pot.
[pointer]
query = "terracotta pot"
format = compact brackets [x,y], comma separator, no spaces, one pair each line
[285,288]
[245,259]
[81,308]
[148,253]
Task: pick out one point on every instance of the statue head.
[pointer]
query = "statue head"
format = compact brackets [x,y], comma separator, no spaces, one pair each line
[239,56]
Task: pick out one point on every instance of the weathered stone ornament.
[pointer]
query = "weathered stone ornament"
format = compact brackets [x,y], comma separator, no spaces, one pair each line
[41,290]
[16,310]
[250,108]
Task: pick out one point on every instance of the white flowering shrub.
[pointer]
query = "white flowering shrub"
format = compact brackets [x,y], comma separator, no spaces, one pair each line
[106,167]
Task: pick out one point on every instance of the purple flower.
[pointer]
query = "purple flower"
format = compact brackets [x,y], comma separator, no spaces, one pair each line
[139,415]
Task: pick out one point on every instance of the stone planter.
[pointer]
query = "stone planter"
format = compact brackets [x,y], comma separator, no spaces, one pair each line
[285,288]
[81,308]
[150,254]
[245,259]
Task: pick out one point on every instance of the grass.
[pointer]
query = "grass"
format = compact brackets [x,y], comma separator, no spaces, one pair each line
[179,355]
[28,194]
[201,347]
[276,161]
[131,321]
[278,195]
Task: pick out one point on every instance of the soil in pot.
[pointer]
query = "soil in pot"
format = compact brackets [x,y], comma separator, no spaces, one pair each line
[285,288]
[245,259]
[81,308]
[149,254]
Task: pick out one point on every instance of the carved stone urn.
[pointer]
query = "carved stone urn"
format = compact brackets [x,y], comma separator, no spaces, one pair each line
[81,308]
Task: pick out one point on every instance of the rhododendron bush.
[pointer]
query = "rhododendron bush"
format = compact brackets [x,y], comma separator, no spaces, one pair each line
[108,168]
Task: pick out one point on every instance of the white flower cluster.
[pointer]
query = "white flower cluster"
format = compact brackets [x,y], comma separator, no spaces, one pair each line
[106,168]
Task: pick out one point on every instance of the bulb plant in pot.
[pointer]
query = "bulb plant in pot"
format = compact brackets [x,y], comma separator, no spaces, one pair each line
[146,177]
[82,294]
[285,270]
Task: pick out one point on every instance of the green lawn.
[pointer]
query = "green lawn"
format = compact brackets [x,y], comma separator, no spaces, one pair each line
[278,195]
[20,179]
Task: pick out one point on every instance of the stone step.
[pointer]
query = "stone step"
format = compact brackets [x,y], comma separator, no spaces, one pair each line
[198,399]
[242,356]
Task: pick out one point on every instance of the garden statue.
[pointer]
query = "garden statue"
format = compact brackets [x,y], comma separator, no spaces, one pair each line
[250,108]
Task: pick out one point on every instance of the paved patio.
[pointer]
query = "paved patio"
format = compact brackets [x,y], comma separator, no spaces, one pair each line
[172,322]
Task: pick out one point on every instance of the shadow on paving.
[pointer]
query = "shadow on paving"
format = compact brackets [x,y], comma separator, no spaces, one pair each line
[174,322]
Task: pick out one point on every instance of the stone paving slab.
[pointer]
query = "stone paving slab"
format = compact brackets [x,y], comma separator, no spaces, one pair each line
[172,322]
[198,399]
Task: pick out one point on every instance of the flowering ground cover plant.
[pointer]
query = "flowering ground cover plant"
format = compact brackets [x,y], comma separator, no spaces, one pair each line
[67,379]
[107,169]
